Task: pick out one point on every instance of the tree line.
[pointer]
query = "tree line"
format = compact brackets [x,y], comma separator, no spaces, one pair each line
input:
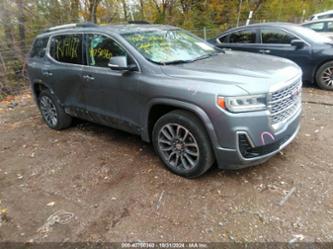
[21,20]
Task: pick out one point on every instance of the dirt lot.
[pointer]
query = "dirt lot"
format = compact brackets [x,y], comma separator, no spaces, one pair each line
[94,183]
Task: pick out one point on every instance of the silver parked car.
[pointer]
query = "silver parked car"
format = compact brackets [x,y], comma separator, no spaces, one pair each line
[323,26]
[196,104]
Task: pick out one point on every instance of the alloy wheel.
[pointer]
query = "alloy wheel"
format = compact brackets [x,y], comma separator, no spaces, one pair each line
[178,146]
[48,110]
[327,77]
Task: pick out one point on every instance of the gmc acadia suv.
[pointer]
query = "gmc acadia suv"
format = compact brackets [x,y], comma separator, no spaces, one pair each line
[196,103]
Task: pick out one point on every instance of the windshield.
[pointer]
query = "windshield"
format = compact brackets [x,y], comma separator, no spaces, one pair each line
[313,35]
[170,46]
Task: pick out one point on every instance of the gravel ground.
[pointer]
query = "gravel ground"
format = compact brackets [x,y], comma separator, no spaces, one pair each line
[92,183]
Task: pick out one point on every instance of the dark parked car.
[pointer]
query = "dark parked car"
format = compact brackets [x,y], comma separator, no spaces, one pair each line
[311,51]
[196,103]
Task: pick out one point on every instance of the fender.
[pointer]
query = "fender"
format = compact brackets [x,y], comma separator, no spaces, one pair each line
[201,114]
[40,82]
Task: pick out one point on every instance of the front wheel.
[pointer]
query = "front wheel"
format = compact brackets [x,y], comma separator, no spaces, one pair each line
[181,141]
[324,76]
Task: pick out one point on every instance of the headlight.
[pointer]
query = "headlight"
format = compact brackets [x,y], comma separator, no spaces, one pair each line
[243,103]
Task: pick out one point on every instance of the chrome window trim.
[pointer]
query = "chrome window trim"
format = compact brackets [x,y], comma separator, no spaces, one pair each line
[280,44]
[240,30]
[119,43]
[49,47]
[81,66]
[263,44]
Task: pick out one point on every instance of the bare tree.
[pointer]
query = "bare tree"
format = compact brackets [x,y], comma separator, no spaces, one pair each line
[5,19]
[93,4]
[75,10]
[21,24]
[123,2]
[163,7]
[142,9]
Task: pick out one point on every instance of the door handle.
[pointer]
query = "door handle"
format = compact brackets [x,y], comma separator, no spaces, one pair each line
[47,73]
[88,77]
[265,51]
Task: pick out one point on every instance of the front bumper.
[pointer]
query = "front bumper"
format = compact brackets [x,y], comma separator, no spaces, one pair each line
[248,154]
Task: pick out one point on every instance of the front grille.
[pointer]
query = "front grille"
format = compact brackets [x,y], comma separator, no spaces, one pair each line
[285,102]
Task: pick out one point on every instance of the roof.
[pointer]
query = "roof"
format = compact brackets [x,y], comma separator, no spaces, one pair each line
[266,24]
[119,28]
[318,20]
[69,26]
[133,28]
[323,13]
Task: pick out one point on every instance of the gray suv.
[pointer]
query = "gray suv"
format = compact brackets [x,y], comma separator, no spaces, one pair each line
[197,104]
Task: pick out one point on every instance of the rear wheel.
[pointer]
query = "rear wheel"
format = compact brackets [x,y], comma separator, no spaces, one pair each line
[52,113]
[182,143]
[324,76]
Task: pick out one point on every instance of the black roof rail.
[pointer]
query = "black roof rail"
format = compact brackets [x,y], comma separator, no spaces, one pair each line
[86,24]
[70,25]
[138,22]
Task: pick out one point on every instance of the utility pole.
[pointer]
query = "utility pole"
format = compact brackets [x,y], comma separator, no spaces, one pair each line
[249,18]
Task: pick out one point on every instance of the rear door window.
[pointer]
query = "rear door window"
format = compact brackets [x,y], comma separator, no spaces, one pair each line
[276,36]
[244,36]
[67,48]
[39,47]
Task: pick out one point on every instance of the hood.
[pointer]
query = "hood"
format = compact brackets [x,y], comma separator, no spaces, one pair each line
[253,73]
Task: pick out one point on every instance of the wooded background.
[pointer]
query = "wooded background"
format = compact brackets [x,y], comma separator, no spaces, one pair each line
[21,20]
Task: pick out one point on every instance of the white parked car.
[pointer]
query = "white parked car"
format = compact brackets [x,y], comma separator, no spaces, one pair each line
[323,26]
[322,15]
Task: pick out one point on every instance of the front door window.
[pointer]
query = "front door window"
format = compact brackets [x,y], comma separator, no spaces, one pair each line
[276,36]
[100,49]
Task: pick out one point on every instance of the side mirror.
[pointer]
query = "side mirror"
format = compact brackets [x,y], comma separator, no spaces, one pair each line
[119,63]
[297,43]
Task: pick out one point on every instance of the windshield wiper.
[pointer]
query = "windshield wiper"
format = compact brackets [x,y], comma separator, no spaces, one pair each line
[205,56]
[176,62]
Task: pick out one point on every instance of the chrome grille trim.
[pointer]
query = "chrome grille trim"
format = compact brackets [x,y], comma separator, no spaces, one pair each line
[284,103]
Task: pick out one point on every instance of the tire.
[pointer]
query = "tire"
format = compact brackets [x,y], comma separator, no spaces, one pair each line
[52,112]
[180,134]
[324,76]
